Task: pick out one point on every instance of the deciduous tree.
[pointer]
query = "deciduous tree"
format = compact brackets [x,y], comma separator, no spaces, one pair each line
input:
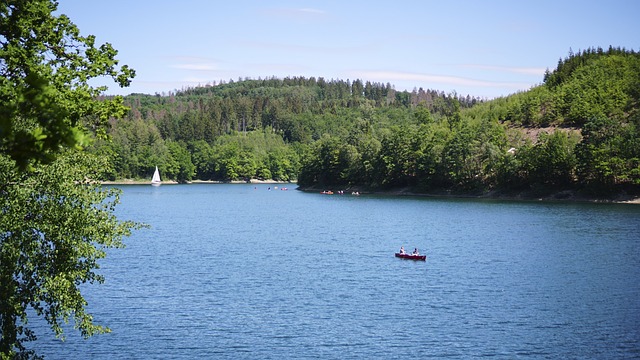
[45,69]
[55,223]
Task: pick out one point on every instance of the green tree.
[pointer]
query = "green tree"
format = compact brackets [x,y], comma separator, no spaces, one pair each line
[422,115]
[180,166]
[139,148]
[325,163]
[55,223]
[432,141]
[608,154]
[397,157]
[458,165]
[55,226]
[247,165]
[555,159]
[226,158]
[202,158]
[507,171]
[45,69]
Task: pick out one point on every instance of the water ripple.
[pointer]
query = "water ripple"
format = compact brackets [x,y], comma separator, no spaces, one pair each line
[233,272]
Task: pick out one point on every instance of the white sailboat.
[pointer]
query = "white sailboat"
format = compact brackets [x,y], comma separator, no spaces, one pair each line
[155,181]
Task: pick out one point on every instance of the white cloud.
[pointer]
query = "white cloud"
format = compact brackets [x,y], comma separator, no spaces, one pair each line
[390,76]
[517,70]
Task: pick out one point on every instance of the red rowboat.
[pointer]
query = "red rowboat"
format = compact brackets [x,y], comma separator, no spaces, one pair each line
[412,257]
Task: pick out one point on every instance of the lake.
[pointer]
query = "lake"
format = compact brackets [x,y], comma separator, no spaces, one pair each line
[230,271]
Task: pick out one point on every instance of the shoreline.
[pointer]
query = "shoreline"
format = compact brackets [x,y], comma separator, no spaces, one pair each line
[173,182]
[560,196]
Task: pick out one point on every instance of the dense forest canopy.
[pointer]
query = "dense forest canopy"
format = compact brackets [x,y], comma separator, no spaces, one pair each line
[343,133]
[256,128]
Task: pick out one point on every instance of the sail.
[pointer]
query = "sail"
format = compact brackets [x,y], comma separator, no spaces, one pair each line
[156,178]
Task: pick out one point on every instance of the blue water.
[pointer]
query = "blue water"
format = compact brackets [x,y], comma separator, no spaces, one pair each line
[243,272]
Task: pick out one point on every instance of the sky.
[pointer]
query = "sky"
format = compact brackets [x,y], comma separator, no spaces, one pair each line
[485,49]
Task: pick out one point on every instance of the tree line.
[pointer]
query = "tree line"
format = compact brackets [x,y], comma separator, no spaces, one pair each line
[341,133]
[253,128]
[591,142]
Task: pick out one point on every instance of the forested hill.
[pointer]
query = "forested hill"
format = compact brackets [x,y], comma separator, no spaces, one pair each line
[578,130]
[256,128]
[301,108]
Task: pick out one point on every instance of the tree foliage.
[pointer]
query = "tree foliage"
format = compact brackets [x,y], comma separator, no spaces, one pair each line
[45,69]
[55,226]
[55,222]
[339,133]
[589,104]
[295,110]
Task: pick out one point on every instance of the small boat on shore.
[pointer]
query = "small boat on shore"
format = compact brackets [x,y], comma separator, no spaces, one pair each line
[412,257]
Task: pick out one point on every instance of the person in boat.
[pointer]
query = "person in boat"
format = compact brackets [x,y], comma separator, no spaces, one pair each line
[415,251]
[402,250]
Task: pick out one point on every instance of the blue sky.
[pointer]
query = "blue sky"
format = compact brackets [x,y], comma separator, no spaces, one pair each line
[482,48]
